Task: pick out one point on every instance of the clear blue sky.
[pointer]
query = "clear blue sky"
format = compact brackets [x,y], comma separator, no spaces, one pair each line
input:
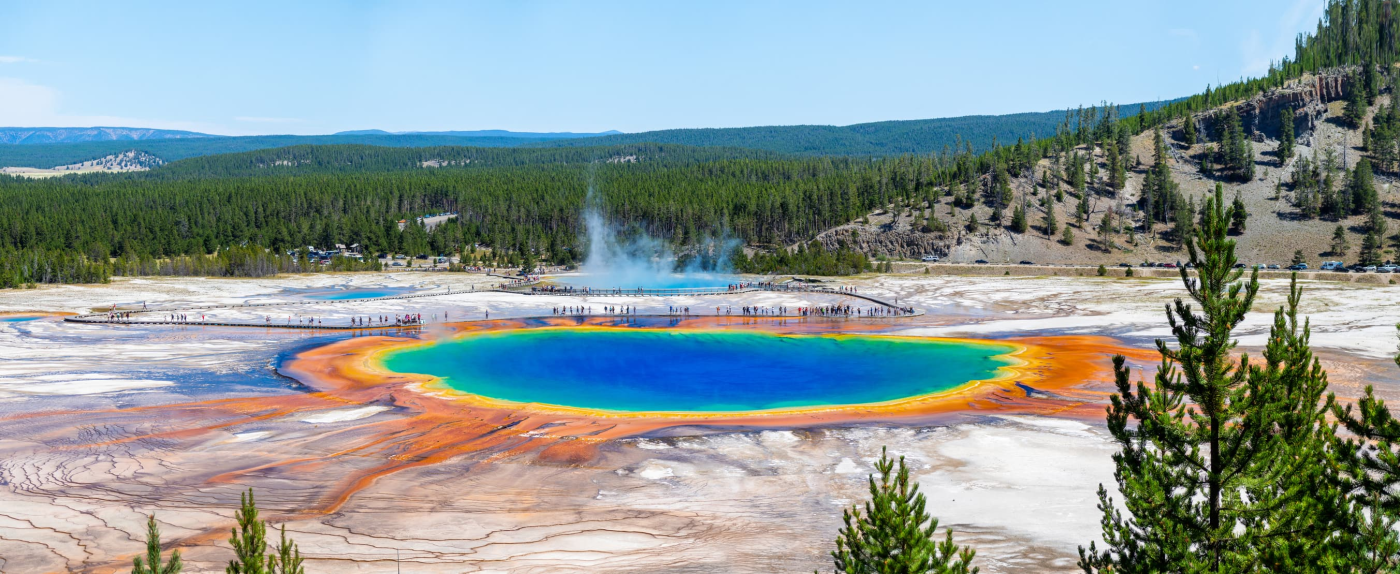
[304,67]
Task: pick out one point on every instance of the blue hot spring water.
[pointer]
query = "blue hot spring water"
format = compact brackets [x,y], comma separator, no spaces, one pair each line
[642,370]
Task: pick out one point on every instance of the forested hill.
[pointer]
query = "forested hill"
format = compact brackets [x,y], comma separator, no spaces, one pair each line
[872,139]
[353,158]
[46,156]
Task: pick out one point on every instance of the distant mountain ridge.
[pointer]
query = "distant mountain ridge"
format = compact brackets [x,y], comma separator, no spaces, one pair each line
[483,134]
[869,139]
[37,136]
[892,137]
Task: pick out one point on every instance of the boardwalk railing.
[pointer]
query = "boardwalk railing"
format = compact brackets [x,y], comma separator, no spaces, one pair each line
[638,292]
[519,289]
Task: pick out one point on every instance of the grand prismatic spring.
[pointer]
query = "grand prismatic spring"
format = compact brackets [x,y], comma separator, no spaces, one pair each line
[587,442]
[419,423]
[655,370]
[634,420]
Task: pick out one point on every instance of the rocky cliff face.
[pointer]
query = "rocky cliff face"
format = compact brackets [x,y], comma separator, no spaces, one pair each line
[899,243]
[1307,97]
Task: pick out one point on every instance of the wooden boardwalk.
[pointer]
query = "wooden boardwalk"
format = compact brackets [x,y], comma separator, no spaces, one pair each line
[106,318]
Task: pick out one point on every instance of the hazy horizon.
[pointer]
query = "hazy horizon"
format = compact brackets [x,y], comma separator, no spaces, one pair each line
[320,68]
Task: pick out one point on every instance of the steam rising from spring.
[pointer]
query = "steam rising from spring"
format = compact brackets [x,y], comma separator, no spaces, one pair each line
[629,258]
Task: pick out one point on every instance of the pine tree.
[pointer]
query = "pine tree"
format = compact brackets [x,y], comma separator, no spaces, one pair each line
[1370,253]
[1238,214]
[1052,225]
[249,540]
[1068,237]
[1362,187]
[1236,152]
[1159,192]
[1076,173]
[1246,169]
[1376,482]
[1340,246]
[1225,466]
[1183,226]
[894,534]
[1355,110]
[527,262]
[1189,131]
[1298,258]
[152,564]
[286,558]
[1106,232]
[1286,141]
[1375,222]
[1117,176]
[1018,220]
[1370,82]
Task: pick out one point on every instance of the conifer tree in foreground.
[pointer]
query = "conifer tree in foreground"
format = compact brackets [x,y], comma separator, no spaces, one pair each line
[1377,482]
[894,534]
[286,558]
[152,564]
[249,540]
[1227,464]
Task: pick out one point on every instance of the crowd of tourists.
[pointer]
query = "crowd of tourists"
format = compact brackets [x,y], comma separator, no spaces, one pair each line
[383,320]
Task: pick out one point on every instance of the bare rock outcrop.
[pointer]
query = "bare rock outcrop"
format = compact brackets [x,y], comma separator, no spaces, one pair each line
[897,243]
[1307,97]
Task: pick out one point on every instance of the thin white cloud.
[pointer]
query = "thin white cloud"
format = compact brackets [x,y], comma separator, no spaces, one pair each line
[14,59]
[268,120]
[26,104]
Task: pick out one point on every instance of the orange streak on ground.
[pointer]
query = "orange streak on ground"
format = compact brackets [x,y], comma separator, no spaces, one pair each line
[1068,377]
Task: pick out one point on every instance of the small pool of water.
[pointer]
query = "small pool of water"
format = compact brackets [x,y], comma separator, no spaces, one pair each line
[359,293]
[646,370]
[18,319]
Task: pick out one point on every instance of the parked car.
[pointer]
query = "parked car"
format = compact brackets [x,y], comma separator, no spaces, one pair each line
[930,258]
[1368,269]
[980,261]
[1125,264]
[1332,265]
[1298,267]
[1026,263]
[1273,266]
[1388,269]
